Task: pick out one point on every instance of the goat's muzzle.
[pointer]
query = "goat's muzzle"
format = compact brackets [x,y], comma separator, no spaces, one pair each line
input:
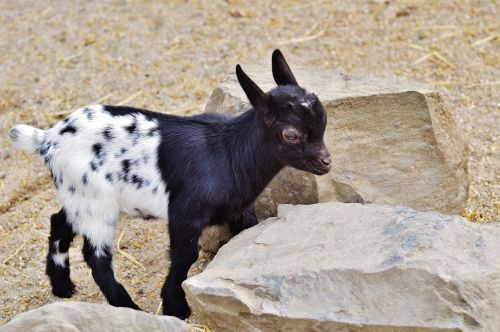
[322,163]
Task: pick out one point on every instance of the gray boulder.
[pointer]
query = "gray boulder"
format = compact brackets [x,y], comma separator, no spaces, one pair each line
[353,267]
[392,141]
[83,317]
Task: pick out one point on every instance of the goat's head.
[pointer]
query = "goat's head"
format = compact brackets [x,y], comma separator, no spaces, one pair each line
[293,118]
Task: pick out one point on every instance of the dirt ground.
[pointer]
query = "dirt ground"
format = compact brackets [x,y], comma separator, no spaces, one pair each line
[169,56]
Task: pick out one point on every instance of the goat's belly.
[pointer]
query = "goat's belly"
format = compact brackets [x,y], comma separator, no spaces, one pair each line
[144,203]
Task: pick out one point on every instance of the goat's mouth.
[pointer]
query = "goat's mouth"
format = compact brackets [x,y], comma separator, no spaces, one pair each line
[318,168]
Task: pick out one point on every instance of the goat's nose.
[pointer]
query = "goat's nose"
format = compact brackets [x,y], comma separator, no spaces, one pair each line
[325,158]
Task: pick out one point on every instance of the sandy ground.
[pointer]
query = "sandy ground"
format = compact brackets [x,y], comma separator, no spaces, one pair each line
[169,56]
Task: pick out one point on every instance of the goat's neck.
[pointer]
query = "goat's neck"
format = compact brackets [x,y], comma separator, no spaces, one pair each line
[254,163]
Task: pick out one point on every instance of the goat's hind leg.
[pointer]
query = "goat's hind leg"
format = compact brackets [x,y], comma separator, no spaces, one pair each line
[97,253]
[57,267]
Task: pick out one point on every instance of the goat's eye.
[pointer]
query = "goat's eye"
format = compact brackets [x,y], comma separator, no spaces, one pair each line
[291,135]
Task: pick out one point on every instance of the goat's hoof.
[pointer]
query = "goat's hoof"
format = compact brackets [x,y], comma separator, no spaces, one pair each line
[134,306]
[125,302]
[130,305]
[64,289]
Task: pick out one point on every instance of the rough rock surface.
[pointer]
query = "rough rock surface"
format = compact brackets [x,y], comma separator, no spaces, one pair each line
[79,316]
[392,141]
[353,267]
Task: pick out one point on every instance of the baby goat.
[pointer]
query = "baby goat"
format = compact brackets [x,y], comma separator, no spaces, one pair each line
[192,171]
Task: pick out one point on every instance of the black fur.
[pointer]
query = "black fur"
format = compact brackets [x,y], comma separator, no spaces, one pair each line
[108,134]
[109,177]
[68,129]
[89,113]
[97,148]
[103,275]
[60,230]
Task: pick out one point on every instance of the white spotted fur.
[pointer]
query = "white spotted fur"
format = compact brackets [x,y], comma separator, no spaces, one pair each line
[93,209]
[26,138]
[59,258]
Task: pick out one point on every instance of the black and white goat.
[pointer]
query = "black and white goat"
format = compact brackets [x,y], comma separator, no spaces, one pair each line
[192,171]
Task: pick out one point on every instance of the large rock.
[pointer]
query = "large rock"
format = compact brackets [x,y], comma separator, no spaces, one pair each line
[83,317]
[393,142]
[353,267]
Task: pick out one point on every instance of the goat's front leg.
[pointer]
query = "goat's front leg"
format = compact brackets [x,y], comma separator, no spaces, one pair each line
[99,259]
[246,220]
[184,237]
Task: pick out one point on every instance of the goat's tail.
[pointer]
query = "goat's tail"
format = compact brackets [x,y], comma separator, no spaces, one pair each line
[26,138]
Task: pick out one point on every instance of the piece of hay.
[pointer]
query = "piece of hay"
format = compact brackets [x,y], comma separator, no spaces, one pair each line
[307,37]
[448,35]
[38,14]
[72,56]
[431,54]
[126,254]
[200,327]
[159,307]
[485,83]
[187,109]
[14,254]
[486,40]
[420,48]
[422,59]
[66,112]
[130,98]
[443,59]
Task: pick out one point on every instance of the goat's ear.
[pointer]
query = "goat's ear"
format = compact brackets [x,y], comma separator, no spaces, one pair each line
[255,95]
[281,71]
